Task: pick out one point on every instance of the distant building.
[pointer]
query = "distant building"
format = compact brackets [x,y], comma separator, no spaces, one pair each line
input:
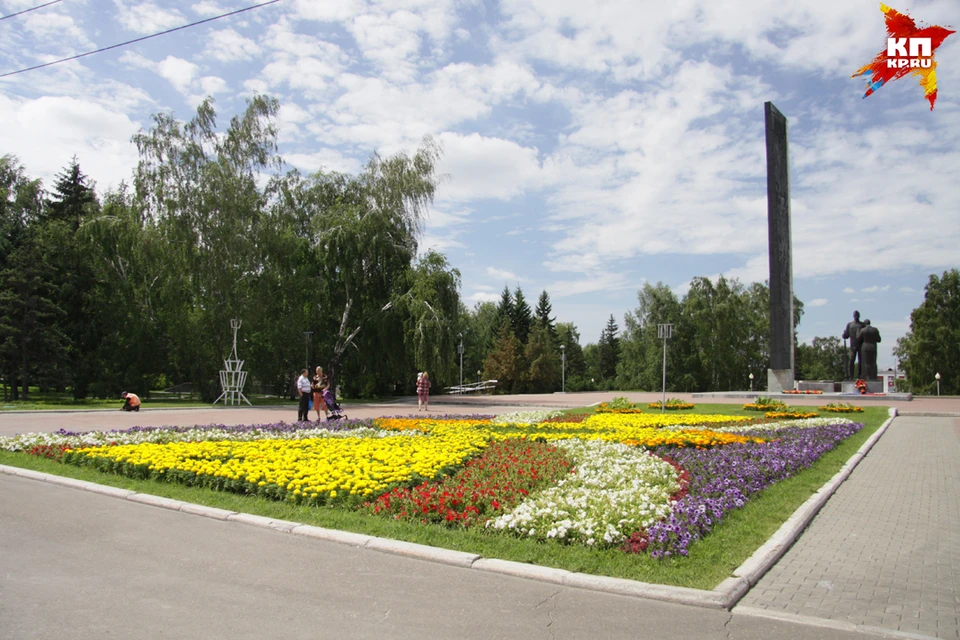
[889,377]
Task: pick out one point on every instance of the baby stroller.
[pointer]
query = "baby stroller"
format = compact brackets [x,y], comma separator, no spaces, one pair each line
[335,412]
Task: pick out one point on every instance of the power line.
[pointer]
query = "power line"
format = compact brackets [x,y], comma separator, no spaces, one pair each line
[39,6]
[123,44]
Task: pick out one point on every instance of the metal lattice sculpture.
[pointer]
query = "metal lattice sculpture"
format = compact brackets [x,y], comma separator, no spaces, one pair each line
[233,377]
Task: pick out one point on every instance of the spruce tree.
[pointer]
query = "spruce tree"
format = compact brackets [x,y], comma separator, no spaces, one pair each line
[504,310]
[542,315]
[73,198]
[522,317]
[609,350]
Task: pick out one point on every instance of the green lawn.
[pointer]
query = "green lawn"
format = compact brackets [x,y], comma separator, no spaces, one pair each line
[711,560]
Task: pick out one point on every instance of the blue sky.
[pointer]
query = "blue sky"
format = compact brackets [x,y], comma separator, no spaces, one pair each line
[588,147]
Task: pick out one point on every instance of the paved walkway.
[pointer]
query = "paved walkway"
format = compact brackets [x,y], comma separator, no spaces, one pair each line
[884,552]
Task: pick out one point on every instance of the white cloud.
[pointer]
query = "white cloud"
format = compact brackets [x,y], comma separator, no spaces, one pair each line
[483,296]
[179,72]
[875,289]
[328,160]
[599,282]
[502,274]
[480,167]
[817,302]
[227,45]
[208,9]
[146,17]
[849,290]
[47,132]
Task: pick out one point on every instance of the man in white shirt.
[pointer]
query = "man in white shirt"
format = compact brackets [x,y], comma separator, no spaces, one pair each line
[303,389]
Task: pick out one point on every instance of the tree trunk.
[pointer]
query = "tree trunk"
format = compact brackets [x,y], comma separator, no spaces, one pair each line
[23,365]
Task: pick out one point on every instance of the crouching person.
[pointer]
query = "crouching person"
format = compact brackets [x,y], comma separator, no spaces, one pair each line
[132,401]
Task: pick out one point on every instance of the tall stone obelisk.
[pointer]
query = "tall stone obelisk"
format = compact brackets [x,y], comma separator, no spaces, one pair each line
[780,375]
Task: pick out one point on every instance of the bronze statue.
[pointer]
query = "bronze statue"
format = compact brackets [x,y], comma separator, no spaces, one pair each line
[852,331]
[869,337]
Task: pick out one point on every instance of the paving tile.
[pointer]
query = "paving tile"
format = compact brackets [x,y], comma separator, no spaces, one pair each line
[887,543]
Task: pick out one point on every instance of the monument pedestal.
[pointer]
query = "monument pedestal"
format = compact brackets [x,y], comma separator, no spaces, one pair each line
[779,379]
[873,386]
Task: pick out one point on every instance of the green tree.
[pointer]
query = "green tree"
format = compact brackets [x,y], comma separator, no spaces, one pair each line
[24,294]
[542,315]
[73,201]
[31,341]
[608,350]
[429,301]
[521,317]
[543,362]
[478,336]
[641,360]
[201,188]
[364,238]
[73,197]
[569,337]
[933,343]
[823,359]
[504,309]
[505,363]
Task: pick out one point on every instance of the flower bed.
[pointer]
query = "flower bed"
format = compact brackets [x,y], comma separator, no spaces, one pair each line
[616,490]
[496,480]
[653,482]
[673,404]
[803,392]
[790,414]
[841,407]
[723,479]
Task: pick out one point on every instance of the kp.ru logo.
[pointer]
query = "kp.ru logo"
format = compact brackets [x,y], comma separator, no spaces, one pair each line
[909,50]
[920,56]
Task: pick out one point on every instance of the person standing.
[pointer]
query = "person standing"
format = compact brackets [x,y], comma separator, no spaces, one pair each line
[423,392]
[319,383]
[303,390]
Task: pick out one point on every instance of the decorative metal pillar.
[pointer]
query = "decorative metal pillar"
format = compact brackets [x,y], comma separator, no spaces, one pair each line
[233,377]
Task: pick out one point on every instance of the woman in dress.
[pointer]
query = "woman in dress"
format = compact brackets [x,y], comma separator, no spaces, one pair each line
[318,384]
[423,392]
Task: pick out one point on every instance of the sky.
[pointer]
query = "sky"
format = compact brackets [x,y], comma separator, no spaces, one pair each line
[588,147]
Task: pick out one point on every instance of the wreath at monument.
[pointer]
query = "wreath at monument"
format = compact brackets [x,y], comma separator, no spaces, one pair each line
[862,386]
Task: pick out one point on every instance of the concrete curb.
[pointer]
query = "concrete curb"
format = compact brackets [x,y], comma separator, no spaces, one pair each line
[929,414]
[725,596]
[825,623]
[770,552]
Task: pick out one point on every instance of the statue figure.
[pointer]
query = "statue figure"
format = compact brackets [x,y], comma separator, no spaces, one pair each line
[852,331]
[869,337]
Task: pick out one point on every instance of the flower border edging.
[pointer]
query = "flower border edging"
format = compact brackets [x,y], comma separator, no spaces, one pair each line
[724,596]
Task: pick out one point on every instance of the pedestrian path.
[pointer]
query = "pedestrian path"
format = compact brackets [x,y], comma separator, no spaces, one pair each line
[884,553]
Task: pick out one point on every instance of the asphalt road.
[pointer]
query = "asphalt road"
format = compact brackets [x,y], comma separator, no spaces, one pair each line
[80,565]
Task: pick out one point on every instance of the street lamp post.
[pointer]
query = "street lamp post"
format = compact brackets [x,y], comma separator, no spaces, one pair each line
[751,382]
[306,349]
[460,349]
[938,382]
[478,376]
[563,368]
